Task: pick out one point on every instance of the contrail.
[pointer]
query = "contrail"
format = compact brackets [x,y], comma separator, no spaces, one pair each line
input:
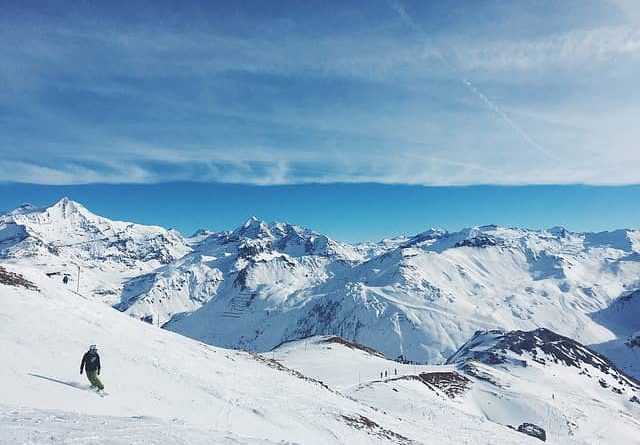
[426,42]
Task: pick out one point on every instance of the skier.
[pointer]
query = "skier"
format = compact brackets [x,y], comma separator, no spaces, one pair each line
[65,279]
[91,363]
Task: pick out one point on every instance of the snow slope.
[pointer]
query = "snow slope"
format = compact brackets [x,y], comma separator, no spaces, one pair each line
[341,364]
[552,381]
[164,388]
[511,378]
[623,318]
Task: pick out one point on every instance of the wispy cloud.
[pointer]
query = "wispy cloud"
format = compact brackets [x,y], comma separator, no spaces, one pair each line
[590,48]
[354,98]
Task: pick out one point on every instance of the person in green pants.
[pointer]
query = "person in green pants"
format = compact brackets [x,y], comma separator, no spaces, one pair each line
[91,363]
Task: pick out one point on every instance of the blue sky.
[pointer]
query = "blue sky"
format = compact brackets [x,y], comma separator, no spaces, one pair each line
[321,91]
[287,93]
[347,212]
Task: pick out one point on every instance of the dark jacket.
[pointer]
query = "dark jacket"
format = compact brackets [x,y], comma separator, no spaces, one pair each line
[90,362]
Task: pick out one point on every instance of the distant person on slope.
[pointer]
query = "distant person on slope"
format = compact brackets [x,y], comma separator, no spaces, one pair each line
[91,363]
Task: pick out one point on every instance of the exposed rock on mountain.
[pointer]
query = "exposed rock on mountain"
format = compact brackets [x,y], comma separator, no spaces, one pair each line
[542,346]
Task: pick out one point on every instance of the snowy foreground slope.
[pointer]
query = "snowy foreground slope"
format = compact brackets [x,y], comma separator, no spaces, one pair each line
[167,389]
[537,378]
[419,298]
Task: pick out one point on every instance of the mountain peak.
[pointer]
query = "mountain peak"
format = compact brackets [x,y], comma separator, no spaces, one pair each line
[252,221]
[558,231]
[21,210]
[201,233]
[64,202]
[67,207]
[540,345]
[253,228]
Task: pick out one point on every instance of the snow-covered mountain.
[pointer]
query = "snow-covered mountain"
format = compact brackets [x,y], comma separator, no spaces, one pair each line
[536,382]
[488,301]
[552,381]
[520,349]
[280,258]
[622,317]
[415,298]
[66,236]
[422,298]
[166,389]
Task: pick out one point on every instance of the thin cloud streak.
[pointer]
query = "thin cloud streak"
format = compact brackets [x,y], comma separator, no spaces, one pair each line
[565,51]
[412,169]
[402,12]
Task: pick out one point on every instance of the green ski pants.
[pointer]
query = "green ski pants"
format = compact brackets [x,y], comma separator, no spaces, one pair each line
[95,381]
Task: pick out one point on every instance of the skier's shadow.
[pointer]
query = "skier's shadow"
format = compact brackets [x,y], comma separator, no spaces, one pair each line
[71,384]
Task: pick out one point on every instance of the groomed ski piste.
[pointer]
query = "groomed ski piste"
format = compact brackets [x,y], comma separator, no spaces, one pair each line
[167,389]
